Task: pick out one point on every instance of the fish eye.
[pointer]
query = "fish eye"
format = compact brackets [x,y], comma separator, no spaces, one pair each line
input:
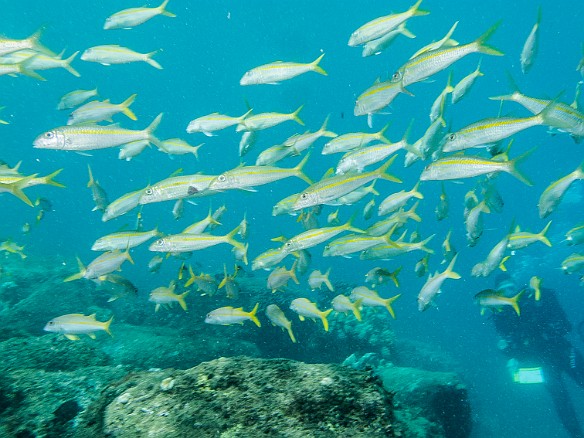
[396,76]
[452,137]
[49,134]
[221,178]
[149,191]
[304,196]
[51,323]
[288,244]
[160,242]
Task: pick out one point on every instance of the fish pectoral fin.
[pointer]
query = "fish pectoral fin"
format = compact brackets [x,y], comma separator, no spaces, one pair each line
[72,337]
[91,335]
[301,318]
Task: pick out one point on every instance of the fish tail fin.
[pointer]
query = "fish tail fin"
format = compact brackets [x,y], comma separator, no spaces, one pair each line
[150,131]
[348,226]
[515,91]
[514,301]
[326,280]
[449,270]
[316,68]
[35,40]
[24,70]
[380,135]
[152,62]
[79,274]
[295,116]
[106,326]
[502,266]
[323,130]
[291,334]
[67,65]
[126,107]
[181,300]
[253,317]
[323,316]
[423,244]
[538,15]
[298,170]
[511,167]
[542,235]
[163,11]
[292,272]
[225,276]
[91,180]
[405,31]
[415,11]
[481,41]
[382,171]
[411,213]
[244,116]
[128,256]
[49,179]
[388,303]
[16,187]
[394,275]
[231,241]
[415,192]
[192,277]
[356,309]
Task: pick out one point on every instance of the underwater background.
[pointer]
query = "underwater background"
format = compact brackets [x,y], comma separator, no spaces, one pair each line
[204,51]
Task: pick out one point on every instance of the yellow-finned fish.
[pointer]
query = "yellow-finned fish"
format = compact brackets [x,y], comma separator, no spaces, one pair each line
[177,146]
[229,315]
[380,26]
[8,45]
[307,309]
[97,192]
[357,160]
[298,143]
[200,226]
[348,245]
[177,187]
[97,111]
[553,194]
[13,248]
[380,276]
[445,41]
[214,122]
[354,140]
[520,239]
[261,121]
[102,265]
[343,304]
[279,71]
[434,284]
[122,205]
[529,51]
[316,279]
[575,236]
[535,284]
[75,324]
[495,300]
[42,61]
[370,298]
[133,17]
[133,149]
[442,207]
[459,167]
[123,240]
[75,98]
[397,200]
[376,46]
[463,87]
[90,137]
[387,251]
[279,277]
[115,54]
[573,263]
[178,243]
[268,259]
[229,283]
[474,223]
[377,97]
[316,236]
[166,296]
[278,319]
[495,259]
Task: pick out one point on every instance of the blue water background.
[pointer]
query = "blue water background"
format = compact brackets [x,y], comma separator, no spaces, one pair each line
[207,49]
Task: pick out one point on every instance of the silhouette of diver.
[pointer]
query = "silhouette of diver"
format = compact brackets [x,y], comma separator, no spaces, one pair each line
[537,338]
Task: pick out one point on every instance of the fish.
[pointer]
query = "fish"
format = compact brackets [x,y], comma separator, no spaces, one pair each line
[214,122]
[464,86]
[279,71]
[573,263]
[316,279]
[535,284]
[270,156]
[123,240]
[74,324]
[400,218]
[347,245]
[248,177]
[19,69]
[298,143]
[369,209]
[494,260]
[268,259]
[316,236]
[229,315]
[278,319]
[386,251]
[376,46]
[116,54]
[247,142]
[442,207]
[307,309]
[119,287]
[90,137]
[575,236]
[122,205]
[155,263]
[240,254]
[75,98]
[495,300]
[204,282]
[474,223]
[177,243]
[132,149]
[370,298]
[97,111]
[102,265]
[42,61]
[445,41]
[15,188]
[448,249]
[433,285]
[397,200]
[176,146]
[13,248]
[530,47]
[129,18]
[380,276]
[437,108]
[229,283]
[378,96]
[202,225]
[520,239]
[166,296]
[357,160]
[380,26]
[279,277]
[261,121]
[343,304]
[460,167]
[9,45]
[336,186]
[177,187]
[304,260]
[422,266]
[353,140]
[98,193]
[354,196]
[554,193]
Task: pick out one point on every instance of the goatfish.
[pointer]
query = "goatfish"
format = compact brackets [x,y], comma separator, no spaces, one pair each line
[177,146]
[214,122]
[32,180]
[343,304]
[166,296]
[316,236]
[307,309]
[42,61]
[380,276]
[353,140]
[279,277]
[463,87]
[15,188]
[122,205]
[298,143]
[433,285]
[520,239]
[229,283]
[133,149]
[90,137]
[13,248]
[132,17]
[494,259]
[397,200]
[387,251]
[495,300]
[177,187]
[459,167]
[98,193]
[573,263]
[247,177]
[376,46]
[97,111]
[8,45]
[102,265]
[278,319]
[357,160]
[268,259]
[123,240]
[445,41]
[553,194]
[370,298]
[75,324]
[377,97]
[204,282]
[75,98]
[442,207]
[535,285]
[178,243]
[261,121]
[202,225]
[316,279]
[381,26]
[530,47]
[279,71]
[347,245]
[575,236]
[229,315]
[115,54]
[337,186]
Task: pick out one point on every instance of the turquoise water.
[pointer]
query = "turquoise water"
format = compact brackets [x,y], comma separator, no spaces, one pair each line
[206,50]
